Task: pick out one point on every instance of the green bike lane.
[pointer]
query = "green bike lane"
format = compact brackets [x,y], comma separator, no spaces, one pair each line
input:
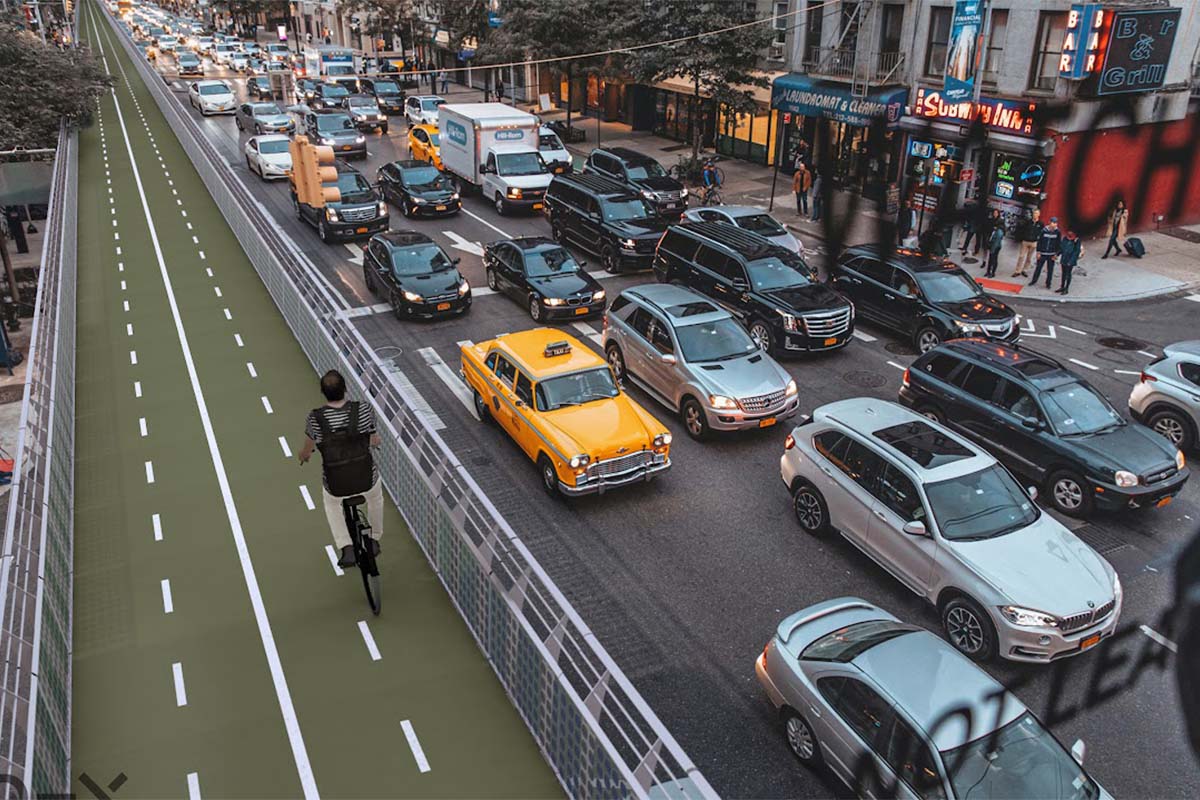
[350,695]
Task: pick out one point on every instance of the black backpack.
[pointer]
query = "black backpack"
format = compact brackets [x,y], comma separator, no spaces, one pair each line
[345,455]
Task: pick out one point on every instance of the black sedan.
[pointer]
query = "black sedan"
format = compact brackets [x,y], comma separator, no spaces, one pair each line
[260,86]
[415,275]
[543,276]
[418,189]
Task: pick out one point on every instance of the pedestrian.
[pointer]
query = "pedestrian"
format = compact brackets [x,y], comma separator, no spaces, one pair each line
[817,191]
[1028,233]
[1116,228]
[801,154]
[1049,245]
[904,219]
[445,80]
[994,244]
[969,227]
[344,431]
[801,183]
[1069,255]
[500,90]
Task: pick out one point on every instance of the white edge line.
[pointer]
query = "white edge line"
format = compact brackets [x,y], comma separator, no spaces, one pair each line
[308,501]
[168,604]
[287,451]
[369,640]
[1072,330]
[894,364]
[180,689]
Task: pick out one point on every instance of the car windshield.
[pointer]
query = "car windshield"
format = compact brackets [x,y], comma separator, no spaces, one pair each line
[516,164]
[431,105]
[845,644]
[352,183]
[333,90]
[424,176]
[548,141]
[774,273]
[649,169]
[549,262]
[576,389]
[1076,409]
[718,340]
[981,505]
[763,224]
[1021,759]
[189,59]
[386,87]
[951,286]
[420,259]
[631,208]
[273,146]
[334,122]
[213,88]
[267,109]
[362,102]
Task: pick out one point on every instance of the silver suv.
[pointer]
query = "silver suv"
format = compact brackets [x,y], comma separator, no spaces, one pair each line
[863,693]
[1167,399]
[954,526]
[692,357]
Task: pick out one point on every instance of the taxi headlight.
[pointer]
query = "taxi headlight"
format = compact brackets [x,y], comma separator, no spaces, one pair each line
[1028,618]
[1118,592]
[412,297]
[553,301]
[683,193]
[968,327]
[580,460]
[420,201]
[722,402]
[454,196]
[791,388]
[1125,479]
[662,440]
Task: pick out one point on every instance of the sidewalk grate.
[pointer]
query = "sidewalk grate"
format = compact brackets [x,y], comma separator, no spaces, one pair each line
[1182,233]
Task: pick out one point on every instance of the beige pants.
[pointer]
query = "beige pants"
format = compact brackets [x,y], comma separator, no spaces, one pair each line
[1025,257]
[337,519]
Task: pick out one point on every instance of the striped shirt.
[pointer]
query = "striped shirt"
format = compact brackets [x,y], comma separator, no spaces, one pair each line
[338,419]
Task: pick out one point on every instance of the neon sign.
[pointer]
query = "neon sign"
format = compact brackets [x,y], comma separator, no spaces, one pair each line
[1085,42]
[1010,116]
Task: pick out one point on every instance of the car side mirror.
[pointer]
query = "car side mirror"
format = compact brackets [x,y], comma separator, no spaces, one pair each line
[740,285]
[1032,492]
[668,358]
[915,528]
[456,261]
[1078,750]
[1032,423]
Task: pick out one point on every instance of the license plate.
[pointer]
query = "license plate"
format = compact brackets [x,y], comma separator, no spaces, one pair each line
[1089,641]
[443,306]
[345,147]
[580,311]
[766,423]
[672,206]
[360,230]
[832,340]
[441,208]
[1165,501]
[537,206]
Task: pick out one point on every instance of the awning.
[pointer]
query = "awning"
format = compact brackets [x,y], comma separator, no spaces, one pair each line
[812,97]
[685,86]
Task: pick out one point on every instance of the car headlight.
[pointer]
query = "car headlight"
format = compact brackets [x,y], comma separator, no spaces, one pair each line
[463,287]
[1180,461]
[1028,618]
[649,195]
[791,388]
[454,196]
[553,301]
[331,214]
[359,139]
[722,402]
[514,191]
[968,327]
[628,244]
[790,322]
[412,297]
[580,460]
[1118,592]
[662,440]
[598,295]
[683,193]
[325,140]
[1125,479]
[420,201]
[383,209]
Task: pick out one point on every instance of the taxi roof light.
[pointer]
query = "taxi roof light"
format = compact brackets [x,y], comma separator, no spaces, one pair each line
[557,349]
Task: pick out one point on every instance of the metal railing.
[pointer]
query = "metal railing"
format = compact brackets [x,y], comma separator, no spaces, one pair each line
[598,734]
[36,563]
[839,62]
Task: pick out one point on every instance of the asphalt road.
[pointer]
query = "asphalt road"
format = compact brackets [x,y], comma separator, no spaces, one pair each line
[684,579]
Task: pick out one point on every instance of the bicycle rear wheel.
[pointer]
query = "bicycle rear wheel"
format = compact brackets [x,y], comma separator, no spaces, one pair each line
[370,576]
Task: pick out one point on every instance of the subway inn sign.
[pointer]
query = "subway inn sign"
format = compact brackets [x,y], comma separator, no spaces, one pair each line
[1118,50]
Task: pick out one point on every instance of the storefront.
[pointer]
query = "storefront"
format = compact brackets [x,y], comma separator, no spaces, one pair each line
[865,160]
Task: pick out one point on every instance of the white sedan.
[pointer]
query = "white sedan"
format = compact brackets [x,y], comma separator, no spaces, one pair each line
[211,97]
[268,155]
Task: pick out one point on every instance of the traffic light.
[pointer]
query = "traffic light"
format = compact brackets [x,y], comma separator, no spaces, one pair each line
[313,176]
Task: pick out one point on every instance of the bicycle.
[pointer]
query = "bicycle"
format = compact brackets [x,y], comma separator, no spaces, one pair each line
[364,556]
[712,197]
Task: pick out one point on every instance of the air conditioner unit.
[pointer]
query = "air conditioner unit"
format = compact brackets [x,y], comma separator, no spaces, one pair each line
[775,52]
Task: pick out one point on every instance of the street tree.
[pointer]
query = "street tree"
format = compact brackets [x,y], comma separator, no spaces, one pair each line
[719,65]
[382,18]
[247,12]
[467,23]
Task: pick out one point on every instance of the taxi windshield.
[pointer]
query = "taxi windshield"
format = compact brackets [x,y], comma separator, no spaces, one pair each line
[576,389]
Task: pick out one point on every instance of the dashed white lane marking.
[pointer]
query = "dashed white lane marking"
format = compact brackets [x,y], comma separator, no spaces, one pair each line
[485,222]
[129,329]
[195,240]
[894,364]
[420,405]
[283,445]
[1155,636]
[180,690]
[1147,354]
[125,304]
[133,357]
[237,337]
[448,377]
[1126,372]
[156,521]
[308,501]
[267,405]
[227,314]
[587,330]
[118,251]
[369,639]
[1072,330]
[208,272]
[1195,298]
[333,559]
[189,226]
[217,289]
[142,426]
[202,256]
[1083,364]
[168,605]
[863,337]
[182,212]
[178,202]
[193,781]
[149,472]
[116,237]
[414,744]
[122,286]
[137,388]
[251,370]
[114,222]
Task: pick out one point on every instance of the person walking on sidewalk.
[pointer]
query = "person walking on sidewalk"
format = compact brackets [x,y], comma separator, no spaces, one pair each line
[801,183]
[816,196]
[1069,255]
[445,81]
[1028,233]
[1049,245]
[971,226]
[1116,228]
[904,219]
[995,244]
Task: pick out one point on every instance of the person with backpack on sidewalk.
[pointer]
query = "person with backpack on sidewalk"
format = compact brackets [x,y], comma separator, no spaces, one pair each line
[801,183]
[1028,233]
[995,244]
[1069,255]
[1049,245]
[1116,228]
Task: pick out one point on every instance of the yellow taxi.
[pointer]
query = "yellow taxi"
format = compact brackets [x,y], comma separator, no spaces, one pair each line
[559,402]
[424,145]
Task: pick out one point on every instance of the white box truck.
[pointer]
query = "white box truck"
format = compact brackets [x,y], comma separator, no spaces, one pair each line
[329,60]
[494,147]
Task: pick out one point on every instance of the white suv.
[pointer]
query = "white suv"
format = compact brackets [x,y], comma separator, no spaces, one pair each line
[954,526]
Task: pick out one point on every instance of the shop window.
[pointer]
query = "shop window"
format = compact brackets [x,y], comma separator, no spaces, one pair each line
[1052,28]
[939,41]
[997,37]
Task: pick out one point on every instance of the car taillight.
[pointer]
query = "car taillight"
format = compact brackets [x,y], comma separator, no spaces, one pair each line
[1146,377]
[604,320]
[789,442]
[904,380]
[766,647]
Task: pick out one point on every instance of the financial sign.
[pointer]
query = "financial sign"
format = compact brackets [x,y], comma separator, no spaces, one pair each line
[1085,40]
[1009,116]
[1138,50]
[962,55]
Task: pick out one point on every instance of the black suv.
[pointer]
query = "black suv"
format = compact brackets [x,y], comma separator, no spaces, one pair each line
[771,290]
[605,218]
[666,195]
[1046,423]
[337,130]
[328,95]
[387,92]
[923,299]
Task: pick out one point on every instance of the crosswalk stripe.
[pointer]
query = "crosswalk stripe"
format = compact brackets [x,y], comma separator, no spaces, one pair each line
[863,337]
[588,331]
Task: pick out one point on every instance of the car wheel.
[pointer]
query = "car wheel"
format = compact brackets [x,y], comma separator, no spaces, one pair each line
[810,509]
[369,280]
[258,130]
[800,739]
[616,360]
[384,130]
[501,206]
[322,231]
[760,332]
[1068,493]
[694,420]
[1174,426]
[296,206]
[394,300]
[969,629]
[926,339]
[491,280]
[549,475]
[610,259]
[481,409]
[249,164]
[535,309]
[929,411]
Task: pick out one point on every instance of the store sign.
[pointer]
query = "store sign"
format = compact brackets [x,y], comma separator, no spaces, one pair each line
[1018,178]
[1138,50]
[1008,116]
[962,53]
[800,94]
[1087,36]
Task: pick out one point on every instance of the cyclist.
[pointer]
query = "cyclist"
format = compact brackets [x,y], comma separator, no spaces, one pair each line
[711,180]
[344,431]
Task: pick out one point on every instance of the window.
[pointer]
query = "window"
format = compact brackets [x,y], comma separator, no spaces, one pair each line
[868,714]
[875,270]
[941,366]
[899,494]
[903,283]
[490,361]
[523,389]
[980,382]
[660,337]
[677,244]
[889,34]
[812,41]
[640,321]
[1016,400]
[861,464]
[939,41]
[714,260]
[505,371]
[618,304]
[910,759]
[851,21]
[781,23]
[1052,27]
[994,53]
[1190,372]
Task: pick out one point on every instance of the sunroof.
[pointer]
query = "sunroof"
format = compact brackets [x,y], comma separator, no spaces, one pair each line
[691,309]
[1033,367]
[923,445]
